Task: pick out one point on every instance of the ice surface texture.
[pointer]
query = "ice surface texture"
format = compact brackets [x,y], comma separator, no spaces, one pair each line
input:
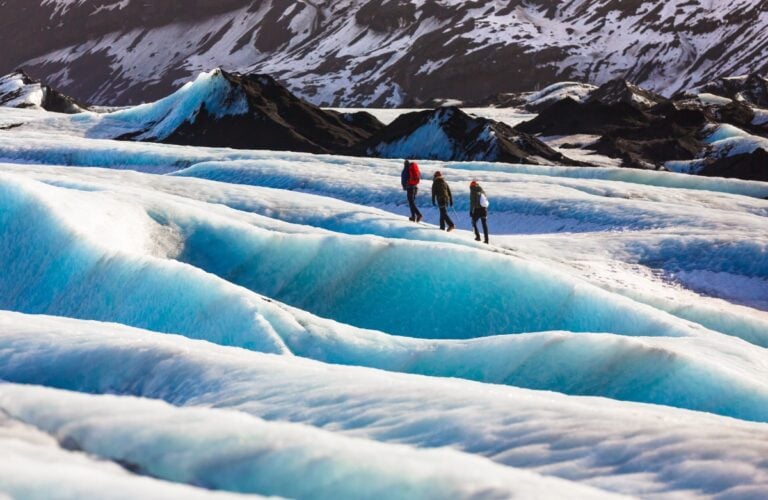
[637,287]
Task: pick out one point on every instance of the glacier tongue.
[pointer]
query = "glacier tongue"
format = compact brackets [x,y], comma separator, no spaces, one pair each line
[177,265]
[250,281]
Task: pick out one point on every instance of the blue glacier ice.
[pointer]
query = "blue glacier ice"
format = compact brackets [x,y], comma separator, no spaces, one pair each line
[630,448]
[613,334]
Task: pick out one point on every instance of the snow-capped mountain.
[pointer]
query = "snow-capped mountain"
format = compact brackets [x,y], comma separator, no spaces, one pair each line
[380,53]
[244,111]
[450,134]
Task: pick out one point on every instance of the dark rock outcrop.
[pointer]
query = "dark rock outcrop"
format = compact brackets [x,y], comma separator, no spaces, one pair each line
[750,166]
[621,91]
[670,133]
[640,128]
[751,89]
[569,117]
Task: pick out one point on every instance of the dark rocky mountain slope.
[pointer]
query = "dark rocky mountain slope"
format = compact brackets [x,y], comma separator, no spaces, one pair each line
[696,133]
[383,53]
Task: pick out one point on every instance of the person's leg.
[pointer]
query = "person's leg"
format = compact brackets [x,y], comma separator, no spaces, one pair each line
[474,226]
[448,220]
[443,216]
[415,208]
[412,202]
[485,228]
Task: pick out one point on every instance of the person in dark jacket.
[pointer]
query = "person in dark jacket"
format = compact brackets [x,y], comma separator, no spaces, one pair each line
[410,178]
[442,194]
[478,209]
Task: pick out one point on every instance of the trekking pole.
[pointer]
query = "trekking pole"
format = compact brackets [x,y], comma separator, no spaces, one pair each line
[455,214]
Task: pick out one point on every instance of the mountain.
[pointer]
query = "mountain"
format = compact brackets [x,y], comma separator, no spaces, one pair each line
[622,91]
[365,52]
[18,90]
[449,134]
[245,111]
[223,109]
[697,133]
[751,89]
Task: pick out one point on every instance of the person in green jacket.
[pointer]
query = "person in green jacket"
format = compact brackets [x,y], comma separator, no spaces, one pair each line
[478,209]
[442,194]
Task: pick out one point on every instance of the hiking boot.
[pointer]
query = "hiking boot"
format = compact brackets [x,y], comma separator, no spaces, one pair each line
[411,219]
[477,238]
[486,242]
[450,228]
[418,218]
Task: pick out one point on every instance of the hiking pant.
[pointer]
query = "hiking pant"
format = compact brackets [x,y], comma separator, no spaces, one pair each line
[444,219]
[480,214]
[412,190]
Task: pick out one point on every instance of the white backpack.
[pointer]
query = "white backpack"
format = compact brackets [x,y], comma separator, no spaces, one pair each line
[483,201]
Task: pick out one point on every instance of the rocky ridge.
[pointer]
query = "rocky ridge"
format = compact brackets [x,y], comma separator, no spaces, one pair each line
[380,53]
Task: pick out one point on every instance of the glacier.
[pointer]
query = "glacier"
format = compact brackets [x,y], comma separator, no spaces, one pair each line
[209,322]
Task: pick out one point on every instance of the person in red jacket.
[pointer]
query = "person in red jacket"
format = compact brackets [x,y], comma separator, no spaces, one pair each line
[410,178]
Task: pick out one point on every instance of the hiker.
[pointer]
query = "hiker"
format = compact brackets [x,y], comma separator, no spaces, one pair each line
[410,178]
[442,193]
[478,209]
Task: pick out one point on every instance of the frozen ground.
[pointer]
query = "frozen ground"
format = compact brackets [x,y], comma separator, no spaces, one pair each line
[611,340]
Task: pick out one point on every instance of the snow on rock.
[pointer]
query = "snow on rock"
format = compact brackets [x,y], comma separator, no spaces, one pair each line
[628,448]
[386,54]
[619,90]
[557,92]
[751,89]
[226,450]
[209,92]
[42,140]
[18,90]
[449,134]
[727,140]
[733,152]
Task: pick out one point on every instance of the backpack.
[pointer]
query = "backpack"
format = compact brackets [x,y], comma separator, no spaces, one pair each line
[484,200]
[414,175]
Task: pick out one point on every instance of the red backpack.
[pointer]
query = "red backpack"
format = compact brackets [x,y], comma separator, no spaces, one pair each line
[414,175]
